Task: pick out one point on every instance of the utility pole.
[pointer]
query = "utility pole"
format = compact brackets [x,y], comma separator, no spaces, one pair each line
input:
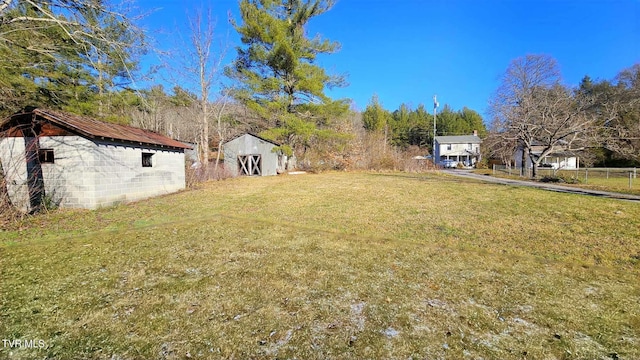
[433,149]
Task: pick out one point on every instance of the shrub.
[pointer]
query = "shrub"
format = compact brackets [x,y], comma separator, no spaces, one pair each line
[551,179]
[560,179]
[195,173]
[482,164]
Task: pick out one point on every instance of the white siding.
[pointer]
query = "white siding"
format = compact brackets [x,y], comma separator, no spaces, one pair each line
[556,161]
[458,149]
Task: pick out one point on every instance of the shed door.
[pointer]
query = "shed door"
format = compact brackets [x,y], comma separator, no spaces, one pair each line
[250,165]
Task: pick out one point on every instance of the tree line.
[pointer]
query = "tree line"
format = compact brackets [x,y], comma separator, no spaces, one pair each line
[407,126]
[83,57]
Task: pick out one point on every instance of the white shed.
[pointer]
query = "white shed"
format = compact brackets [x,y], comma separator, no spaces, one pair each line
[77,162]
[251,155]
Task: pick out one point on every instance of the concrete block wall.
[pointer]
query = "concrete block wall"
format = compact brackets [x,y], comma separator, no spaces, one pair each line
[120,176]
[69,180]
[86,174]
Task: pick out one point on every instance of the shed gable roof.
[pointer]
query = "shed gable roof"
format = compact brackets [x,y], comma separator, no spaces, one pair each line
[255,136]
[95,129]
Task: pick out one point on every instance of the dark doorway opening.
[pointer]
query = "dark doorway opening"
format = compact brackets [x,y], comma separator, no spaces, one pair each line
[250,165]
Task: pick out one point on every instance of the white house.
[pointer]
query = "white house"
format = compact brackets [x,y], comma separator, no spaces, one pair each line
[556,160]
[464,148]
[77,162]
[251,155]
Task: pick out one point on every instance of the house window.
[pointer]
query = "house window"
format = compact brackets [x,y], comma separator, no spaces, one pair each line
[448,146]
[470,146]
[147,159]
[45,156]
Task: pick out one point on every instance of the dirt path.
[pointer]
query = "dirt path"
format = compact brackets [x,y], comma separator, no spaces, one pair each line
[545,186]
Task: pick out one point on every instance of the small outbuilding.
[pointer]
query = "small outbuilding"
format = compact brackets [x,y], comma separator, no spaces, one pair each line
[73,161]
[251,155]
[558,159]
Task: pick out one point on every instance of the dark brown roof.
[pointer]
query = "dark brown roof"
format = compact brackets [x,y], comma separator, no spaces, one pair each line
[99,130]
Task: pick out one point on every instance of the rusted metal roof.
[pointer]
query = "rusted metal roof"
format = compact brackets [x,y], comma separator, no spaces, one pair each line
[99,130]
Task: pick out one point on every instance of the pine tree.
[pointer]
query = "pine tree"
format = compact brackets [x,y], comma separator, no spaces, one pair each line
[276,72]
[375,117]
[63,53]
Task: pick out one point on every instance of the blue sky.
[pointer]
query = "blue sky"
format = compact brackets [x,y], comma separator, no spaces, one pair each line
[405,51]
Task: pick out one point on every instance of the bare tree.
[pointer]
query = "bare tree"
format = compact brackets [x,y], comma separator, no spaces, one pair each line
[496,146]
[623,100]
[220,129]
[533,109]
[198,64]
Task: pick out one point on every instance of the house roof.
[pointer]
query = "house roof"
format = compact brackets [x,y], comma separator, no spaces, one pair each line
[462,139]
[567,154]
[98,130]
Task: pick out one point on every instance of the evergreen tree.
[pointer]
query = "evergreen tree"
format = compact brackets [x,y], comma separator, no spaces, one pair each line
[400,125]
[473,122]
[54,52]
[374,117]
[449,122]
[415,127]
[421,127]
[112,62]
[276,72]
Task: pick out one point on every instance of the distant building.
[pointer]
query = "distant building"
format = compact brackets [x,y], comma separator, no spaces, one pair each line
[459,149]
[77,162]
[191,153]
[251,155]
[559,159]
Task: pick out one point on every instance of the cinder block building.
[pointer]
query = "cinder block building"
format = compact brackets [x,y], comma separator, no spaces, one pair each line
[77,162]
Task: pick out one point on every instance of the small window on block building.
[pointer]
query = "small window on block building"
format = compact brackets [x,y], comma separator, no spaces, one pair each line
[45,156]
[147,159]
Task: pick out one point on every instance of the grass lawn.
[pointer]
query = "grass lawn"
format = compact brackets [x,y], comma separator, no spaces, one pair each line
[337,265]
[596,179]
